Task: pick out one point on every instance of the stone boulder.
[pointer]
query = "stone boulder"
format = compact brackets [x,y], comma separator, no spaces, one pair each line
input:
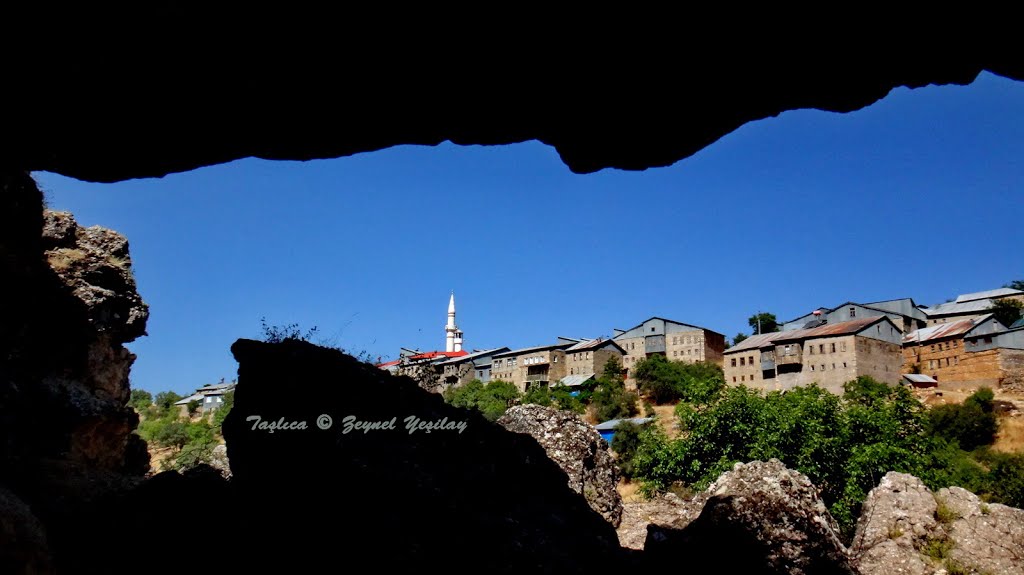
[579,451]
[758,518]
[661,510]
[219,461]
[906,529]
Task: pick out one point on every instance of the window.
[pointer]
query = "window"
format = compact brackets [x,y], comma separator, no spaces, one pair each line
[833,348]
[842,347]
[833,366]
[812,367]
[821,348]
[844,364]
[219,400]
[652,329]
[556,359]
[947,362]
[956,343]
[823,367]
[956,360]
[743,378]
[734,379]
[674,353]
[675,340]
[689,351]
[209,400]
[787,350]
[933,347]
[853,312]
[743,361]
[810,349]
[750,360]
[734,362]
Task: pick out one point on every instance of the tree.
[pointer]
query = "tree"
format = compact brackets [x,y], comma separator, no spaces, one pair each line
[140,400]
[1007,311]
[625,442]
[739,338]
[492,399]
[971,424]
[165,399]
[193,407]
[663,381]
[610,398]
[224,409]
[763,323]
[1016,284]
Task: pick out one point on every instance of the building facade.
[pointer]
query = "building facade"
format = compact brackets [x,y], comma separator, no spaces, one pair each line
[829,355]
[589,356]
[903,312]
[476,365]
[672,339]
[541,365]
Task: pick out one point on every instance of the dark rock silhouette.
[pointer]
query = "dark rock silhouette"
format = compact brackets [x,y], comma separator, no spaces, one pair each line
[579,451]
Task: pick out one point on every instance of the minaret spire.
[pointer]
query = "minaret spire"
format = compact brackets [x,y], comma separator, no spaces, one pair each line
[453,337]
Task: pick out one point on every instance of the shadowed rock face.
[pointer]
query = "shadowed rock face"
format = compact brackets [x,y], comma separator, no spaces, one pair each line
[601,103]
[579,451]
[758,518]
[483,499]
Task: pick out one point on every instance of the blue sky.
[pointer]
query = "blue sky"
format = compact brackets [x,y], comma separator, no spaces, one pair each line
[916,196]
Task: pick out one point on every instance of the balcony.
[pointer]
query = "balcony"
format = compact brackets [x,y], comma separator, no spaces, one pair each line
[535,377]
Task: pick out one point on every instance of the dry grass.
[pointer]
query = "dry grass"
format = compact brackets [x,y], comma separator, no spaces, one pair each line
[630,491]
[63,258]
[665,416]
[1010,437]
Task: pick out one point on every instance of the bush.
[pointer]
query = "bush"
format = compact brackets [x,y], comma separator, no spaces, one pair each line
[971,424]
[224,409]
[140,400]
[492,399]
[165,400]
[625,442]
[663,381]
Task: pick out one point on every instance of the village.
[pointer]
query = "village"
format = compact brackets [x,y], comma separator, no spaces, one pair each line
[960,344]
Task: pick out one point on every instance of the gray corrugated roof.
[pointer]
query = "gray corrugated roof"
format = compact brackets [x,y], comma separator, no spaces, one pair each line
[1018,323]
[756,341]
[941,330]
[918,378]
[953,307]
[613,423]
[1000,292]
[532,349]
[593,344]
[193,397]
[574,380]
[472,356]
[665,320]
[832,329]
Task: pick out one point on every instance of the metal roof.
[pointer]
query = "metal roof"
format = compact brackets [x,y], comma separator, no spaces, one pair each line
[593,344]
[953,308]
[918,378]
[193,397]
[664,320]
[1000,292]
[756,341]
[575,380]
[943,330]
[533,349]
[1018,323]
[832,329]
[473,355]
[613,423]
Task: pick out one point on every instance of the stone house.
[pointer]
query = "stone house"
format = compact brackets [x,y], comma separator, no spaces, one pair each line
[675,340]
[906,314]
[941,352]
[829,355]
[999,353]
[540,365]
[210,397]
[970,305]
[461,370]
[589,356]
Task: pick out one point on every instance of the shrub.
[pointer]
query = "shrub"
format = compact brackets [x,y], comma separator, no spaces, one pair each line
[663,381]
[140,400]
[625,442]
[492,399]
[971,424]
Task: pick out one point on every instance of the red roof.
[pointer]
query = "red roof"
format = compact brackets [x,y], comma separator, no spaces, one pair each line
[433,354]
[388,363]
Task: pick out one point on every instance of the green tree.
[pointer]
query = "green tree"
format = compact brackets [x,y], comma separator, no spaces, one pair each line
[172,434]
[663,381]
[166,399]
[739,338]
[140,400]
[625,442]
[610,398]
[492,399]
[1016,284]
[228,401]
[1007,311]
[971,424]
[763,323]
[193,407]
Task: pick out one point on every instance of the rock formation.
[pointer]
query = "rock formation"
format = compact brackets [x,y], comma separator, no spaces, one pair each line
[579,451]
[906,529]
[662,510]
[758,518]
